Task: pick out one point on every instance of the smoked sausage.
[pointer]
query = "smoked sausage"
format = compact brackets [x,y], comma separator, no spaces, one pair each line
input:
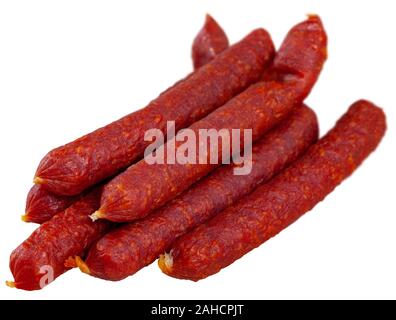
[273,206]
[42,205]
[209,42]
[70,169]
[41,258]
[129,248]
[145,186]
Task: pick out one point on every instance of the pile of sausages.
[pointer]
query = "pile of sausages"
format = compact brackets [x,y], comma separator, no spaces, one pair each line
[103,208]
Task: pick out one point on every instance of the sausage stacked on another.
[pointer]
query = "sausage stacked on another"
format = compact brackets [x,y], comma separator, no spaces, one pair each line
[198,217]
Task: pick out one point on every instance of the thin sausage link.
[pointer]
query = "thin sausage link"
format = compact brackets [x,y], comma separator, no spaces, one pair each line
[144,187]
[41,258]
[127,249]
[209,42]
[274,206]
[70,169]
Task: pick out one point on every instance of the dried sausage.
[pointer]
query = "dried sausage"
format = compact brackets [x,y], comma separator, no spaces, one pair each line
[126,250]
[209,42]
[144,187]
[129,248]
[273,206]
[41,258]
[70,169]
[42,205]
[291,65]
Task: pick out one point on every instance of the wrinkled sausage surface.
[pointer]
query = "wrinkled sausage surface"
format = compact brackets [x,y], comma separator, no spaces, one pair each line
[209,42]
[144,186]
[126,250]
[72,168]
[41,258]
[275,205]
[42,205]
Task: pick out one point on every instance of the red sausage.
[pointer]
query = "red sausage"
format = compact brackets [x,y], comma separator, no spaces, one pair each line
[70,169]
[291,65]
[42,205]
[144,187]
[209,42]
[41,258]
[126,250]
[273,206]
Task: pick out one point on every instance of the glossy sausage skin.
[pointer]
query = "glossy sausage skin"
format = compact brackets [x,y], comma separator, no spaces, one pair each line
[70,169]
[209,42]
[41,258]
[126,250]
[273,206]
[42,205]
[144,187]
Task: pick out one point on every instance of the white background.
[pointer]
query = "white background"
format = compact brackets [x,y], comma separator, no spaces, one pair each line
[68,67]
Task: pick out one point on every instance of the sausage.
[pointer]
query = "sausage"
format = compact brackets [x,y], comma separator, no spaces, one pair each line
[273,206]
[129,248]
[41,258]
[70,169]
[42,205]
[209,42]
[288,65]
[144,186]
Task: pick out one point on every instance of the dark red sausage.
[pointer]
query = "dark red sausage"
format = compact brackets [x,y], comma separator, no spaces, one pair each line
[42,205]
[209,42]
[70,169]
[41,258]
[126,250]
[292,66]
[144,187]
[273,206]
